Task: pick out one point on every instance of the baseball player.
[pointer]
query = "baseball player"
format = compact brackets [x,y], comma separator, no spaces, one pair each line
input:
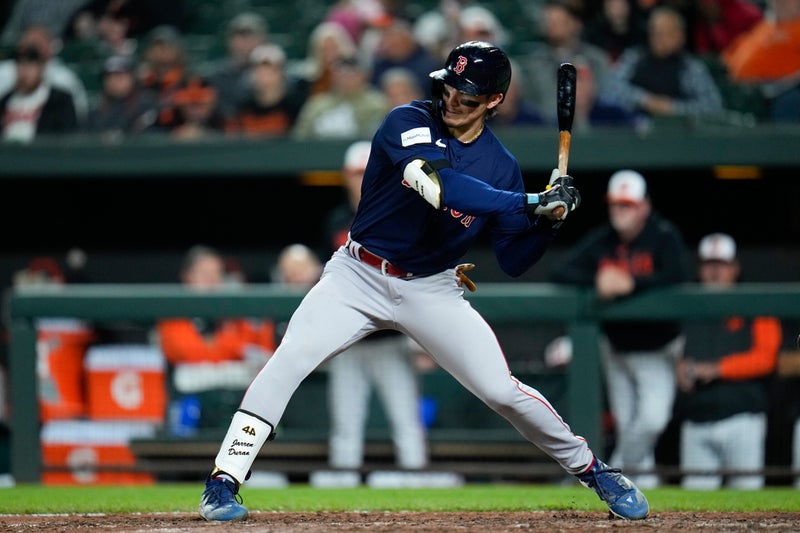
[437,177]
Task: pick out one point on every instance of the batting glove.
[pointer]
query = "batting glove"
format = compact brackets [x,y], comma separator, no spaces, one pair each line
[561,193]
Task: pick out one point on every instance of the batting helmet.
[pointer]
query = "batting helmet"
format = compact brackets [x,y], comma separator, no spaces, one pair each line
[475,68]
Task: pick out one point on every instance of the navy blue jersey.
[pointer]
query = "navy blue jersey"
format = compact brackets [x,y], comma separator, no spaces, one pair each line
[482,189]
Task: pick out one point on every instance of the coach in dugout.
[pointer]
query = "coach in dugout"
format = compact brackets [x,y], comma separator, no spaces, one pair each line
[723,378]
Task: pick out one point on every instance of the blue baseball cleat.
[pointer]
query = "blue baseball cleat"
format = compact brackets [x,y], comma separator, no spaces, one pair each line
[620,494]
[221,501]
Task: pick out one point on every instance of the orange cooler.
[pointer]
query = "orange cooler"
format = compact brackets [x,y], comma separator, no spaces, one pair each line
[126,382]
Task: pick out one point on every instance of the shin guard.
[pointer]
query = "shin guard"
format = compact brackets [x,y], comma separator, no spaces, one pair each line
[246,435]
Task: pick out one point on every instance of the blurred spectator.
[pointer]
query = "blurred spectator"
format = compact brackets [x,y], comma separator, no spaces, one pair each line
[663,79]
[618,25]
[768,55]
[196,114]
[34,108]
[515,111]
[328,43]
[400,86]
[56,73]
[163,71]
[212,361]
[351,109]
[635,251]
[122,108]
[271,106]
[722,378]
[562,28]
[397,47]
[718,22]
[229,75]
[54,16]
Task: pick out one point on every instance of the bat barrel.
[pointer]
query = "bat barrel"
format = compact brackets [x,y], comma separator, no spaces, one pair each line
[567,79]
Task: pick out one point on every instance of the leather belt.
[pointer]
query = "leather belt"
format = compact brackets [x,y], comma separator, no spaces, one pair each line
[375,261]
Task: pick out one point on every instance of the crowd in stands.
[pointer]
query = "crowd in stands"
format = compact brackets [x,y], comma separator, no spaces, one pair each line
[119,68]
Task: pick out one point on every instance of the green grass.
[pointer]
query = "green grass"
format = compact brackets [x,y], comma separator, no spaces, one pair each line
[29,499]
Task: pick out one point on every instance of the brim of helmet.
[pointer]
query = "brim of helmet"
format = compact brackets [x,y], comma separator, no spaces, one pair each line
[453,80]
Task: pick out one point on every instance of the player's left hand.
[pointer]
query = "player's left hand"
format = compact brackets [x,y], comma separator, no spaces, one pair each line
[463,279]
[560,193]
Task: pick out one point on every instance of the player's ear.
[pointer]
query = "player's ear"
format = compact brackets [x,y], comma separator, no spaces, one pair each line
[494,100]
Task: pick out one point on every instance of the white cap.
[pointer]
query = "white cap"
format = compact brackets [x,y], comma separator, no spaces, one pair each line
[268,53]
[717,247]
[627,186]
[357,155]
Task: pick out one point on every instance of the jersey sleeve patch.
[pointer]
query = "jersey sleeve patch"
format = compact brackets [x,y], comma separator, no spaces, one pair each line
[415,136]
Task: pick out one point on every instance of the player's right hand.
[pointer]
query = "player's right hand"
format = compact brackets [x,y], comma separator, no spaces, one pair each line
[560,193]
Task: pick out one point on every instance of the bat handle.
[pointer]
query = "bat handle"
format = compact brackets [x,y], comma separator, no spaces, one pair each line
[564,139]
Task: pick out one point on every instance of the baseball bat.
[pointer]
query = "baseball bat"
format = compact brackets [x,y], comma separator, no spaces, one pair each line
[565,111]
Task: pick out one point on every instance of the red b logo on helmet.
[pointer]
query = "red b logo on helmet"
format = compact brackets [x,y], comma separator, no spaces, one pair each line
[460,64]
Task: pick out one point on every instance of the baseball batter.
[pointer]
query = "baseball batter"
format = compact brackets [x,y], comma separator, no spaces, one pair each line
[437,177]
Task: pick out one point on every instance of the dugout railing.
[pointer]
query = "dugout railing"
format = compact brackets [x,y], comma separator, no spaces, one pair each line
[577,309]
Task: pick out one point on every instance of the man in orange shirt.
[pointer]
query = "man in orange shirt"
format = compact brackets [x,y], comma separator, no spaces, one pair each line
[722,379]
[769,55]
[213,361]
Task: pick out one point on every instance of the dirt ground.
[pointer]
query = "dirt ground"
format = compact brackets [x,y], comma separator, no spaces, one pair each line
[504,522]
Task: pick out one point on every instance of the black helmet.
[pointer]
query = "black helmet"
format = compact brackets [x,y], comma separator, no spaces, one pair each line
[475,68]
